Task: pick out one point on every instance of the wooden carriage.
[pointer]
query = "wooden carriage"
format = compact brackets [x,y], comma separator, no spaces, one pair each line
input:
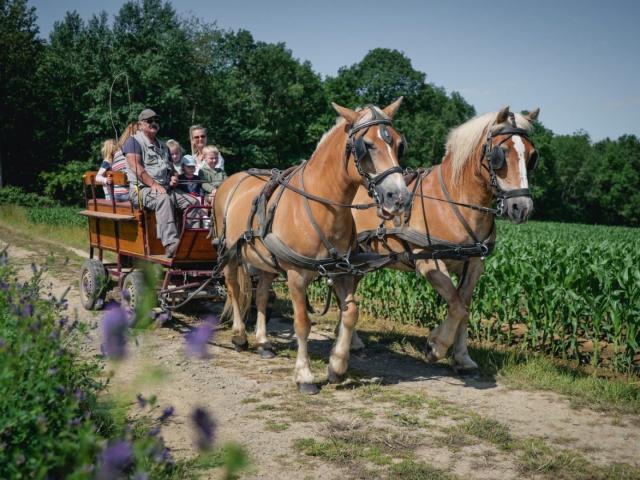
[130,234]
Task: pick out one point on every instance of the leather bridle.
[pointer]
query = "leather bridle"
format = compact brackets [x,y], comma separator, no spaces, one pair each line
[496,160]
[357,147]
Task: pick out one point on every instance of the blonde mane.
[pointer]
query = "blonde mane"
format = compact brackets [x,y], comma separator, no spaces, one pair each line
[463,140]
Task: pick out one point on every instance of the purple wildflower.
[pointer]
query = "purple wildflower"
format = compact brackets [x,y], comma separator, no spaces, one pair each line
[198,339]
[75,422]
[163,456]
[166,413]
[141,476]
[27,310]
[126,296]
[2,343]
[116,459]
[4,285]
[114,329]
[34,269]
[162,318]
[60,389]
[80,395]
[142,402]
[154,431]
[205,428]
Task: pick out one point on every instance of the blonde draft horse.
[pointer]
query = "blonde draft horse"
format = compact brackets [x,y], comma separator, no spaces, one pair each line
[300,222]
[492,146]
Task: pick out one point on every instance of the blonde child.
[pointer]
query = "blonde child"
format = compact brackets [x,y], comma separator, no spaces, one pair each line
[114,160]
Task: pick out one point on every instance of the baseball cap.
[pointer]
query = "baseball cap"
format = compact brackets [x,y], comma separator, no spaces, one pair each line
[188,161]
[146,114]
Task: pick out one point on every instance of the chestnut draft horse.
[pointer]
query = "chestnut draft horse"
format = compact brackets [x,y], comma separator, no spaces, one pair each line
[451,227]
[299,222]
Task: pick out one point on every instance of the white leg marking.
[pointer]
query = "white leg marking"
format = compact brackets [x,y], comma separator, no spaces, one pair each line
[522,167]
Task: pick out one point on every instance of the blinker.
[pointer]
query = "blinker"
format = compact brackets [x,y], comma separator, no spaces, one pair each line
[384,133]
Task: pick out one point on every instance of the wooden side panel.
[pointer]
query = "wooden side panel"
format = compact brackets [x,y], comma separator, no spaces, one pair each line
[194,245]
[155,245]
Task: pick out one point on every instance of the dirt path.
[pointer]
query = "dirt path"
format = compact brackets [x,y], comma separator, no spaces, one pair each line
[397,417]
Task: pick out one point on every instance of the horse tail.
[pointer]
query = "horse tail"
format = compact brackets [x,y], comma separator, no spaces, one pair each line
[245,292]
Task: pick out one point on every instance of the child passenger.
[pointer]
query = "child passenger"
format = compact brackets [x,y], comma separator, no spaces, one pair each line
[212,171]
[176,155]
[190,182]
[112,159]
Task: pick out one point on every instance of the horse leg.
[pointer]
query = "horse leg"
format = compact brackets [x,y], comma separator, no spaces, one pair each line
[265,349]
[443,336]
[462,362]
[239,332]
[302,325]
[339,359]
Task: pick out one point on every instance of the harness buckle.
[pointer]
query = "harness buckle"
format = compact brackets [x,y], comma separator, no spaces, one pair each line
[248,236]
[381,233]
[322,271]
[501,208]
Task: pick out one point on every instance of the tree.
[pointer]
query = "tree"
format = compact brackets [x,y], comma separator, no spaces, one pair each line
[20,50]
[427,113]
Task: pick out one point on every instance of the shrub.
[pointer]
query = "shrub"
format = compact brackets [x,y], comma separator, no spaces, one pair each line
[65,183]
[58,216]
[52,424]
[11,195]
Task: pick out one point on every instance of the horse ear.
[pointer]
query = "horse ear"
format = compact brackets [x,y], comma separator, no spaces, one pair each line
[502,115]
[390,110]
[349,115]
[534,114]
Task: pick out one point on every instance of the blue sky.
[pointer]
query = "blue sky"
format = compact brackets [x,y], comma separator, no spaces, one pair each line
[577,60]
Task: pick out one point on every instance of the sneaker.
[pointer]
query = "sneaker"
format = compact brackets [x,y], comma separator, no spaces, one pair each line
[170,250]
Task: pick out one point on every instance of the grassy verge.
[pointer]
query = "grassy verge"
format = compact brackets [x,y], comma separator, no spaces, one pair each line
[534,372]
[58,224]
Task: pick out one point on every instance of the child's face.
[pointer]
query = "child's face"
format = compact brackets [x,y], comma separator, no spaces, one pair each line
[211,158]
[189,170]
[175,154]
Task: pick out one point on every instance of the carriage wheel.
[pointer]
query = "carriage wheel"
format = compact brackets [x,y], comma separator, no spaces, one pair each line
[134,285]
[93,284]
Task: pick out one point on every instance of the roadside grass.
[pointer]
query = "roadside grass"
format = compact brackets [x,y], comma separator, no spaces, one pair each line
[532,455]
[58,224]
[535,372]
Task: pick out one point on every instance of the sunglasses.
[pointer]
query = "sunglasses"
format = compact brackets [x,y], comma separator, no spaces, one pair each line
[153,120]
[199,136]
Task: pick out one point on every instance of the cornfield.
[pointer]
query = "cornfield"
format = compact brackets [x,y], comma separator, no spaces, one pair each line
[572,291]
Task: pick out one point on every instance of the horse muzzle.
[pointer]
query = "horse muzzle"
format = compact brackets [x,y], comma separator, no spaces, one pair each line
[392,202]
[518,209]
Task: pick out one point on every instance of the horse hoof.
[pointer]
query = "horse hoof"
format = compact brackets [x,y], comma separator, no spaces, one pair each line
[333,377]
[308,388]
[430,353]
[266,352]
[239,343]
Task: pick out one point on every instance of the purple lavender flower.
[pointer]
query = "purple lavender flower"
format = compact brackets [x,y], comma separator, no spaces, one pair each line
[2,343]
[34,269]
[60,389]
[116,459]
[114,332]
[80,395]
[162,318]
[166,413]
[163,456]
[205,428]
[27,310]
[154,431]
[198,339]
[4,285]
[126,295]
[142,402]
[141,476]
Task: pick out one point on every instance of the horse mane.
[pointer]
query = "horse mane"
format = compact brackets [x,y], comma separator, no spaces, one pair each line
[463,140]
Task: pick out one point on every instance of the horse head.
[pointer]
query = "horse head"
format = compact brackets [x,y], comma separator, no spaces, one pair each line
[376,147]
[508,154]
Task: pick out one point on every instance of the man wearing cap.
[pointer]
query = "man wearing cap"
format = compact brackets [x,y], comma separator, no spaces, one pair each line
[153,177]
